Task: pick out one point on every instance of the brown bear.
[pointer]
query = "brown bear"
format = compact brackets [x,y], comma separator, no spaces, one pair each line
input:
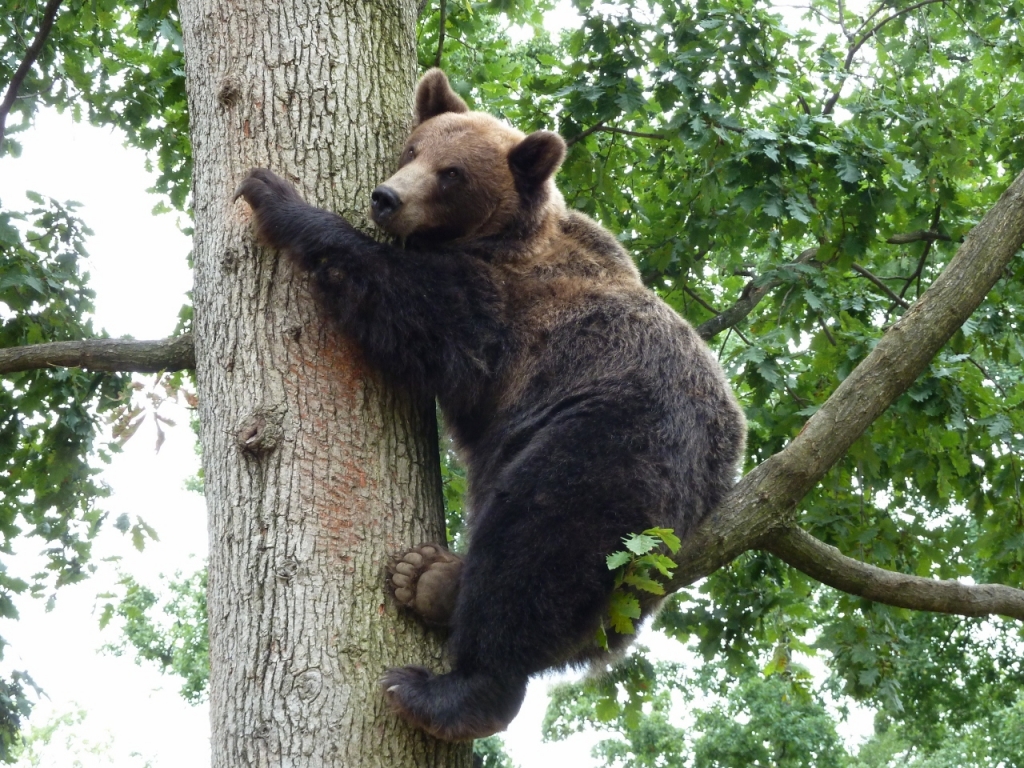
[583,407]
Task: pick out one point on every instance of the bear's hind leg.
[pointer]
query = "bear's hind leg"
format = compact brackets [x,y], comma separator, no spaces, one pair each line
[425,581]
[456,706]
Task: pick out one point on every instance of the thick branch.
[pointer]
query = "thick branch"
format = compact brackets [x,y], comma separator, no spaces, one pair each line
[45,25]
[830,566]
[174,354]
[766,499]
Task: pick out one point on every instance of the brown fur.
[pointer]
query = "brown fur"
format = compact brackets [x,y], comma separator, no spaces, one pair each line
[584,408]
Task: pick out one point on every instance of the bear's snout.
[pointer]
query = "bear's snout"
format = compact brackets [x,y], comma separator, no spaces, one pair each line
[384,202]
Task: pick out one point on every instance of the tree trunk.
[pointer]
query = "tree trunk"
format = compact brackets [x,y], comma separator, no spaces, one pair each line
[315,471]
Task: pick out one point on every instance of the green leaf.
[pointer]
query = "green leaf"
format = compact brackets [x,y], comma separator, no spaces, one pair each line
[847,169]
[644,583]
[663,564]
[606,710]
[617,560]
[639,543]
[668,536]
[622,609]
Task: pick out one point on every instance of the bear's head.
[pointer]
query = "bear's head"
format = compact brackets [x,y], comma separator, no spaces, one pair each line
[466,175]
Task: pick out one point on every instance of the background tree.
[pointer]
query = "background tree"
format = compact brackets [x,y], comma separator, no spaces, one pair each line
[794,193]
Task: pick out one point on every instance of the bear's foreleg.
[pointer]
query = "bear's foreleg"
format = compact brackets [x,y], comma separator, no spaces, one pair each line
[432,321]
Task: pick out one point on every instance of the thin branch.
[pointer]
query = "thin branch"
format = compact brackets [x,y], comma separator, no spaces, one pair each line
[986,374]
[842,20]
[174,354]
[871,32]
[867,19]
[828,333]
[584,134]
[440,35]
[831,103]
[921,234]
[924,256]
[881,286]
[605,128]
[830,566]
[749,298]
[696,297]
[638,134]
[31,54]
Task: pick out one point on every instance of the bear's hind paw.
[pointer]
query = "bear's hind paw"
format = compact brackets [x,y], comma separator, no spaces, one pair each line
[425,581]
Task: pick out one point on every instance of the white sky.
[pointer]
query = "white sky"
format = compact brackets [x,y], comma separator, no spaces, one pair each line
[140,276]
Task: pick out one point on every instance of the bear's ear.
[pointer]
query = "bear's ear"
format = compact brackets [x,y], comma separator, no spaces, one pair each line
[535,159]
[434,96]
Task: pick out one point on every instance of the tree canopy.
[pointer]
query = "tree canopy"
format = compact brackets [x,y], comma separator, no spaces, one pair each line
[791,179]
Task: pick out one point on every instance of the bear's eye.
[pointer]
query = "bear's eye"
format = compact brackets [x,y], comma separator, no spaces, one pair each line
[450,173]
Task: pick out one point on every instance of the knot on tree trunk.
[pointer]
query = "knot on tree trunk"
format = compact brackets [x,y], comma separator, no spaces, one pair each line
[261,431]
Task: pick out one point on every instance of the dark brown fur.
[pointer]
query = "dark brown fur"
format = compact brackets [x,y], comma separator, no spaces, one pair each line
[584,408]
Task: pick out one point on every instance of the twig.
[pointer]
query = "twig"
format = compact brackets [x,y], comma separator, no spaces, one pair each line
[881,286]
[440,34]
[842,20]
[986,374]
[828,333]
[31,54]
[605,128]
[924,257]
[696,297]
[922,234]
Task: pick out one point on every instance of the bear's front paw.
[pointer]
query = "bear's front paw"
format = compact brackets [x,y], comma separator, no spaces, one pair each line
[425,580]
[269,196]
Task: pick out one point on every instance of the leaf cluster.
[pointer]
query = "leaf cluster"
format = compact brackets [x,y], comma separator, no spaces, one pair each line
[111,62]
[177,641]
[639,568]
[50,420]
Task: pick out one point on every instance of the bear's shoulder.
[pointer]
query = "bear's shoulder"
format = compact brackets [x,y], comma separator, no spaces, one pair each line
[572,247]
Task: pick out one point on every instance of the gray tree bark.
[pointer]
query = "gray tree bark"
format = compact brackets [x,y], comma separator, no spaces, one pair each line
[315,471]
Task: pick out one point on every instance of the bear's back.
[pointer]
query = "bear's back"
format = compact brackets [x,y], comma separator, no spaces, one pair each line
[590,341]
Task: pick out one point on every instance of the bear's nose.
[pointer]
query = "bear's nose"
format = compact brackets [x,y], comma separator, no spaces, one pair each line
[384,201]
